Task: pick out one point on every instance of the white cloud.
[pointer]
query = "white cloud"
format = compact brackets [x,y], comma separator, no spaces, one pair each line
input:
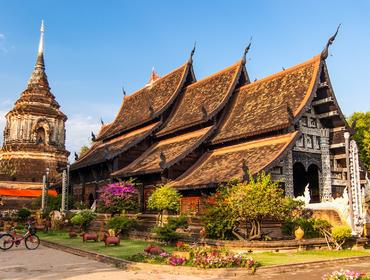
[79,129]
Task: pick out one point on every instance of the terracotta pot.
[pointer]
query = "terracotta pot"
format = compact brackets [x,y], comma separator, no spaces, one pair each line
[181,254]
[299,233]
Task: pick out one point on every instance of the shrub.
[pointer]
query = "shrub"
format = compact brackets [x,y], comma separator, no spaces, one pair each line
[340,234]
[164,198]
[118,197]
[175,260]
[168,232]
[121,224]
[310,226]
[23,214]
[83,219]
[218,219]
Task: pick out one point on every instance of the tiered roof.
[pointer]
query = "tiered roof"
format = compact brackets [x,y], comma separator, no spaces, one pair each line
[224,164]
[198,103]
[202,100]
[270,104]
[102,151]
[165,153]
[147,103]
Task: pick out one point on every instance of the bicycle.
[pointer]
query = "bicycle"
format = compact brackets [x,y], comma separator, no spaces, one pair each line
[31,240]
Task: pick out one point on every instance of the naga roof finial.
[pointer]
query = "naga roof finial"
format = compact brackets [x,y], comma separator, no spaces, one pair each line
[325,51]
[246,50]
[192,53]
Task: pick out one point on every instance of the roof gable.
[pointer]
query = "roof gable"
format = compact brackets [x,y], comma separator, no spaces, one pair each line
[101,152]
[148,102]
[269,104]
[224,164]
[171,150]
[200,101]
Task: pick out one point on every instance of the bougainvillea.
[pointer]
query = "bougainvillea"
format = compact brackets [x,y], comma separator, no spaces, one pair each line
[117,197]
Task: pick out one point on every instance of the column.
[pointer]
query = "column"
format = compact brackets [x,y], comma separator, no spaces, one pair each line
[64,187]
[326,169]
[288,172]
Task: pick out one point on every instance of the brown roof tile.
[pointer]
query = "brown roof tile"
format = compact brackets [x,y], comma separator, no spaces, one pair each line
[224,164]
[148,102]
[173,149]
[209,94]
[101,152]
[270,103]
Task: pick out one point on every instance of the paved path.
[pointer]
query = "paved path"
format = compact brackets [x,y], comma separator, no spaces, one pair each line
[46,263]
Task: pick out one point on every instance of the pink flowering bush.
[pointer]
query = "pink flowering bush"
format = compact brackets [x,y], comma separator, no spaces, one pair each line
[117,197]
[175,260]
[210,258]
[345,275]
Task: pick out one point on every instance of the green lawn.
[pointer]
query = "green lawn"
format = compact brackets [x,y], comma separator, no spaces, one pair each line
[131,247]
[268,258]
[124,251]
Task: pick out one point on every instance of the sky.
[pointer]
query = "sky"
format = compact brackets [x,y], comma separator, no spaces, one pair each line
[94,48]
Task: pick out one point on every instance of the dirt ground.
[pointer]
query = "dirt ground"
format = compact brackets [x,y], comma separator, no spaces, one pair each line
[45,263]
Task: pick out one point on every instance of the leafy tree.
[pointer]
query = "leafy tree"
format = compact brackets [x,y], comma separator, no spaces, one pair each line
[84,149]
[218,218]
[164,198]
[53,202]
[256,200]
[361,123]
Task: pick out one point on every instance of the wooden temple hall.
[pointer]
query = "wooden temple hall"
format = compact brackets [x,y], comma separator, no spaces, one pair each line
[194,135]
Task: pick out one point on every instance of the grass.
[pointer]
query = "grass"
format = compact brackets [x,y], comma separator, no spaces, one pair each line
[124,251]
[269,258]
[131,247]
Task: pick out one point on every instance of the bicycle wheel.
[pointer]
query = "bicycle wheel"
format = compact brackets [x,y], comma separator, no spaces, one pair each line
[6,241]
[32,242]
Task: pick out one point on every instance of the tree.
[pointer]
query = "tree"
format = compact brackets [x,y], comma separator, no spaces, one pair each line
[218,218]
[164,198]
[255,200]
[84,149]
[361,123]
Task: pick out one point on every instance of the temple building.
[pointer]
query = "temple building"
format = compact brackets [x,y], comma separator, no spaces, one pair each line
[34,139]
[195,135]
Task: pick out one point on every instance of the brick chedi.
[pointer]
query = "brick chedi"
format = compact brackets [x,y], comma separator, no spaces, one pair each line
[34,137]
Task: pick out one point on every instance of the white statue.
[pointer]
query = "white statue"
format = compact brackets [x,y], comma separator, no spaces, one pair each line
[306,197]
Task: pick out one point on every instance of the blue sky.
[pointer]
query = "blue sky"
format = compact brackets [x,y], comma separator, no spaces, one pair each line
[93,48]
